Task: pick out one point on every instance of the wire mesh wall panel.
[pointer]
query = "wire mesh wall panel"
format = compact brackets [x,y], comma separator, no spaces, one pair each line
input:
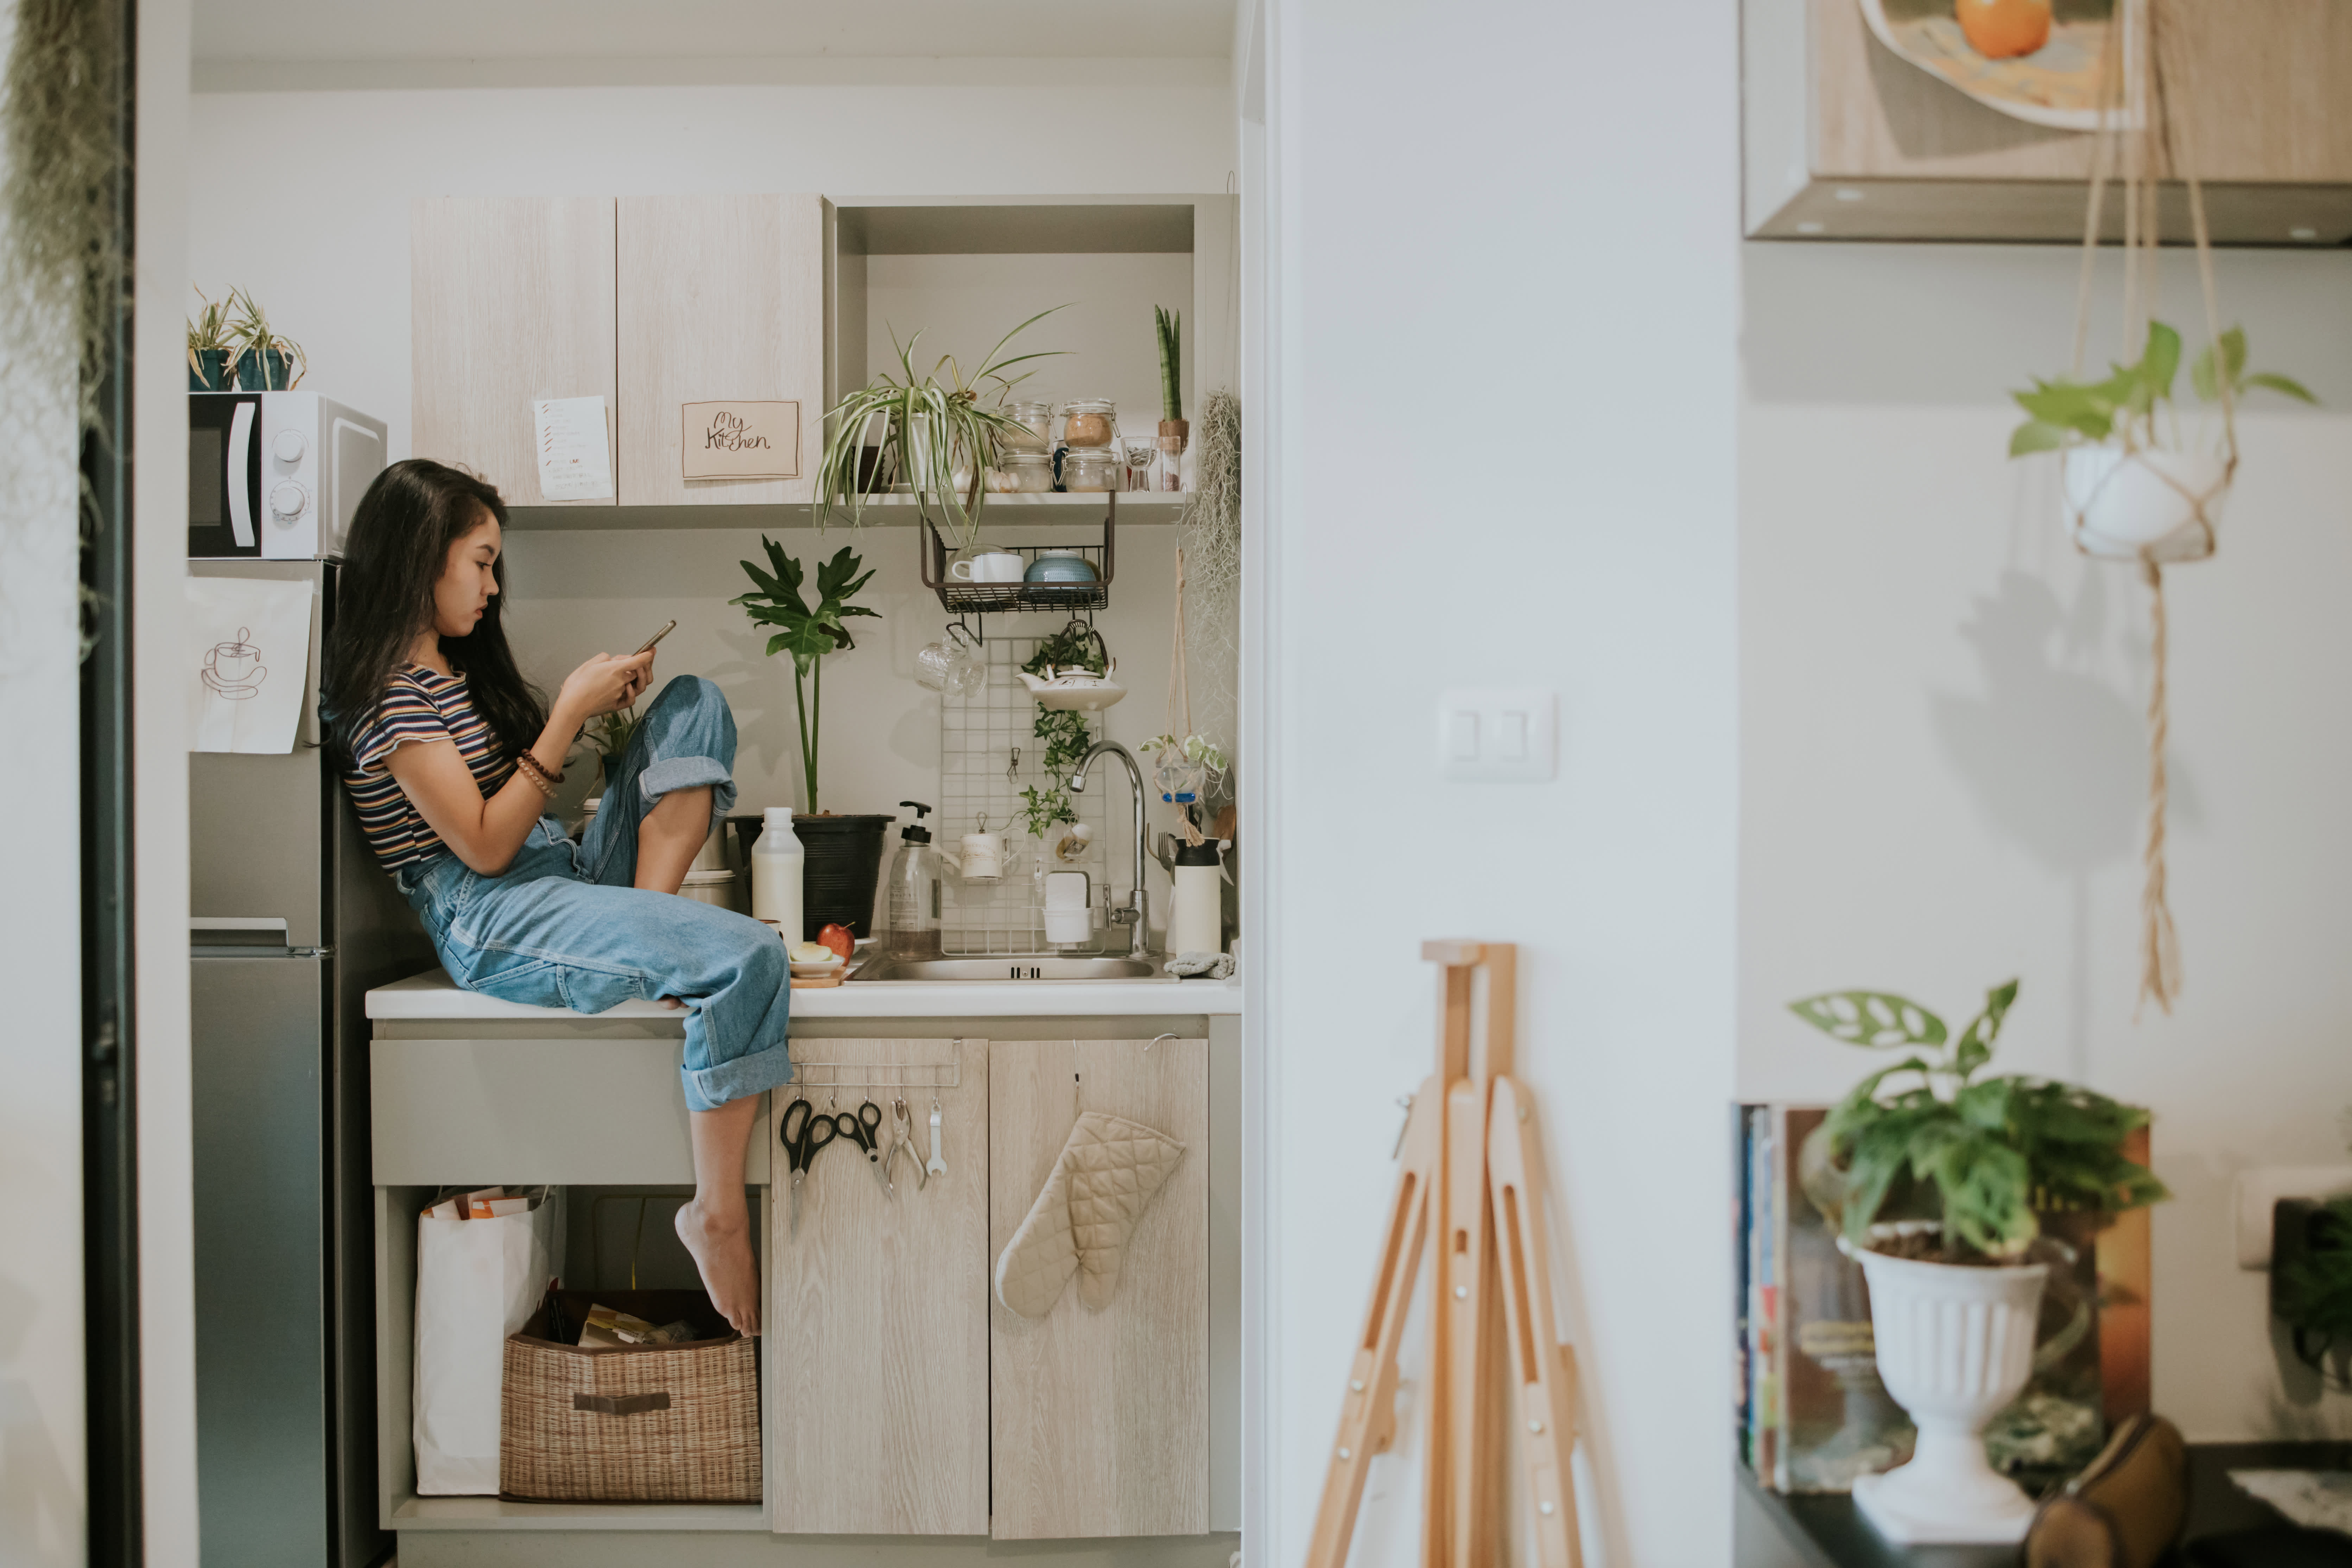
[989,753]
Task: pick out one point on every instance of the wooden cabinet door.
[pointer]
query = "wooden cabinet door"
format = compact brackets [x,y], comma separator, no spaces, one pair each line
[876,1332]
[511,300]
[721,298]
[1100,1419]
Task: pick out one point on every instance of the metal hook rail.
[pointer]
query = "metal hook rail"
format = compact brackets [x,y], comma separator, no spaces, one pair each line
[909,1075]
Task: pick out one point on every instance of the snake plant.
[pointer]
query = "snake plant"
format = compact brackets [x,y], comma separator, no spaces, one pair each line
[1170,325]
[933,425]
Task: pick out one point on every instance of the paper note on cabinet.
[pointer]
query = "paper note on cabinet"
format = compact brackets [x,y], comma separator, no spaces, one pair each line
[248,659]
[575,463]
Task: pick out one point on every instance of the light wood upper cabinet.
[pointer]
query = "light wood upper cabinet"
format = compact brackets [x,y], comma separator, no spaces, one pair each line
[1845,141]
[1101,1418]
[721,298]
[876,1319]
[511,300]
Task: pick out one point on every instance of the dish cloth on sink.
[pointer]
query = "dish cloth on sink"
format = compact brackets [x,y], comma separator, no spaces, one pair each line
[1201,966]
[1106,1175]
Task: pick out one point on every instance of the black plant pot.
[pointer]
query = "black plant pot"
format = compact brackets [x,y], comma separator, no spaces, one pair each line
[844,863]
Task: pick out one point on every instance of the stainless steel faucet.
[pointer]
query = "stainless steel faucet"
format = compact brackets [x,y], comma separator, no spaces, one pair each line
[1137,913]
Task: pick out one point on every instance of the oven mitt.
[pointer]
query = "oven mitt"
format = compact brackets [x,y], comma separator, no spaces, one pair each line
[1105,1174]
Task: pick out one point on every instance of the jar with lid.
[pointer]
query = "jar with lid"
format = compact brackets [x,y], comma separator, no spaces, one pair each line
[1086,469]
[1034,428]
[1023,472]
[1088,423]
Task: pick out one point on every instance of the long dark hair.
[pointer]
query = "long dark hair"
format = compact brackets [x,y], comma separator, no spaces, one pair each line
[399,541]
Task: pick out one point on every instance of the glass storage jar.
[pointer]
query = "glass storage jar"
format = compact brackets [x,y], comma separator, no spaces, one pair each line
[1037,427]
[1089,422]
[1092,468]
[1023,472]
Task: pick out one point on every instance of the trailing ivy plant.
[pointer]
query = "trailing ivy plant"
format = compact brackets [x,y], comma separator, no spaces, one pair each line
[1064,732]
[809,632]
[2126,406]
[1986,1156]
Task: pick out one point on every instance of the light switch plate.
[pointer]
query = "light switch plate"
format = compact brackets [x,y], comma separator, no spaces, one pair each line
[1498,734]
[2259,1190]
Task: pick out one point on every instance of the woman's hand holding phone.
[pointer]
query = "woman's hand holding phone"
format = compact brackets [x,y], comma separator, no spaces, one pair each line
[605,683]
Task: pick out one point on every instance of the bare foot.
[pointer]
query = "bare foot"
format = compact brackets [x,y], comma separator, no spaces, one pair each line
[721,1245]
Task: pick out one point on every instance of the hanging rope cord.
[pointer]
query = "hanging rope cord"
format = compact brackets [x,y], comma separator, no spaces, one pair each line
[1180,698]
[2143,96]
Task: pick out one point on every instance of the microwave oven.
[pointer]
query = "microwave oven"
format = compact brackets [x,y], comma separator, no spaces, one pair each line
[276,476]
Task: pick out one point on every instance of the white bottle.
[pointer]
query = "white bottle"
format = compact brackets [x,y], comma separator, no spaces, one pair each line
[777,861]
[1196,916]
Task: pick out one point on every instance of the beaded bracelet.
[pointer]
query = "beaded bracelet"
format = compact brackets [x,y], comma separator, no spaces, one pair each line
[538,774]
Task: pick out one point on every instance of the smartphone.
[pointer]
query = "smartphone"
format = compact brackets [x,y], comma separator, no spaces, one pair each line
[658,636]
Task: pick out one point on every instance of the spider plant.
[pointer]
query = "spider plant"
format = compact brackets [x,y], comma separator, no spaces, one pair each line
[210,352]
[936,420]
[250,333]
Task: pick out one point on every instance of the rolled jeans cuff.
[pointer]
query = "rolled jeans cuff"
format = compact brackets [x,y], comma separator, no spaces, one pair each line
[659,778]
[708,1088]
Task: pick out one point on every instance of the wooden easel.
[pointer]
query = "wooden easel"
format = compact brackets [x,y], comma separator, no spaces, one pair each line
[1469,1163]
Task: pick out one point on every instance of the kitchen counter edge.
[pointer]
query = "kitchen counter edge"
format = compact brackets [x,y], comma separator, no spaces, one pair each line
[433,995]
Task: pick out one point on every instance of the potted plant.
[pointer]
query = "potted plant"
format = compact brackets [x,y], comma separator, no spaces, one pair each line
[940,433]
[266,361]
[209,348]
[1067,740]
[1938,1187]
[2134,476]
[845,853]
[1175,431]
[610,734]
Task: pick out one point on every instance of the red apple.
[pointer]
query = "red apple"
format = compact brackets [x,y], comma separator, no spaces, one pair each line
[837,938]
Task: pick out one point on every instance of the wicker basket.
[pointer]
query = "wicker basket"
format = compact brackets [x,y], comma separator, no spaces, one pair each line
[652,1424]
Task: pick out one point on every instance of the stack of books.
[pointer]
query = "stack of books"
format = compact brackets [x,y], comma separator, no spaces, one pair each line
[1812,1412]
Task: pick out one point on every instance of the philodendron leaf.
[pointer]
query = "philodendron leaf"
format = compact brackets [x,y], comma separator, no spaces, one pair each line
[2035,435]
[2280,384]
[1874,1018]
[1976,1045]
[1987,1192]
[2161,361]
[2202,376]
[2071,405]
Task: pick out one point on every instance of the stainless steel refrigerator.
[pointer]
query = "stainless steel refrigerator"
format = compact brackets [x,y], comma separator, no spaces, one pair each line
[292,923]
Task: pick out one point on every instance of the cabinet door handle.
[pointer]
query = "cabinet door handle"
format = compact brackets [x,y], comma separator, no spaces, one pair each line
[619,1403]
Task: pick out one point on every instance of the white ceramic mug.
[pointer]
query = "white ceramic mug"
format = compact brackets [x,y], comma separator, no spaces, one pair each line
[993,566]
[982,856]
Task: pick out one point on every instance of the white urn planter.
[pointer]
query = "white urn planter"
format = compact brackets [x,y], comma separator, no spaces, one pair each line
[2125,502]
[1955,1346]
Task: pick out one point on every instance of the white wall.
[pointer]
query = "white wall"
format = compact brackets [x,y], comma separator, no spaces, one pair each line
[1943,757]
[1504,346]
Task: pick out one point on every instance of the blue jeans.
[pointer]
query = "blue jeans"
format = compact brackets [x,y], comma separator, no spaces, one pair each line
[562,927]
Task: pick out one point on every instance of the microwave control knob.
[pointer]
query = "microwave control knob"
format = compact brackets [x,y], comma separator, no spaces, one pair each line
[287,499]
[288,447]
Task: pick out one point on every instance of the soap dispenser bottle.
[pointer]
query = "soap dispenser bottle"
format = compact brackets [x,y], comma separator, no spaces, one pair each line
[914,900]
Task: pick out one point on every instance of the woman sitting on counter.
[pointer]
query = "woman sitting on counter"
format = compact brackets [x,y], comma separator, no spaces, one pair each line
[449,755]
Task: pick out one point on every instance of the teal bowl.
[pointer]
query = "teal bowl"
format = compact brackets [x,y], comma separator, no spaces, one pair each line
[1059,569]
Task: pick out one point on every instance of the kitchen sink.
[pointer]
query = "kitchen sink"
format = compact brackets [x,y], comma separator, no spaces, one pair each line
[1007,966]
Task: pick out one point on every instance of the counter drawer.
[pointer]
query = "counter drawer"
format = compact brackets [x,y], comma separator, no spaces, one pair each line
[569,1111]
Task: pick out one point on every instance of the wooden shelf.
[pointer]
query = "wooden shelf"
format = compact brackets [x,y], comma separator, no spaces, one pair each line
[1135,507]
[496,1513]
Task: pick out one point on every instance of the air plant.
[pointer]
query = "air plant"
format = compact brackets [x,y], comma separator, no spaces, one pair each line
[935,425]
[1169,325]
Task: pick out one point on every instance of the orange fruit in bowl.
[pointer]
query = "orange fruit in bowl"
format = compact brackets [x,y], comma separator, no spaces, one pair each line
[2003,29]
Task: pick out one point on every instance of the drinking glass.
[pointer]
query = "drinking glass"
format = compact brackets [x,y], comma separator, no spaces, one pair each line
[1140,453]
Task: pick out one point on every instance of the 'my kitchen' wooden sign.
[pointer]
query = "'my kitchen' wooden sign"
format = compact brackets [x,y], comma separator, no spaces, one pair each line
[741,441]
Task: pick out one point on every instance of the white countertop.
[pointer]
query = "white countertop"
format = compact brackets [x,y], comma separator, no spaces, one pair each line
[435,995]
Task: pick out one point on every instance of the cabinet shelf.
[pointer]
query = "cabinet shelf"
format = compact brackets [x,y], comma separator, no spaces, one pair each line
[497,1513]
[1135,507]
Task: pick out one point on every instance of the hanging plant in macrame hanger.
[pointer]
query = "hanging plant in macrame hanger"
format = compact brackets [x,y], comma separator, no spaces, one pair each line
[2144,480]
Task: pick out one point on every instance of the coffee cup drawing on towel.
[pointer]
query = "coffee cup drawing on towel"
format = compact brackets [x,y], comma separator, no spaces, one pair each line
[1106,1177]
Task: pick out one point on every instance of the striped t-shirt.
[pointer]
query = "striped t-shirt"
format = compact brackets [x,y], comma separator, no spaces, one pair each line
[419,704]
